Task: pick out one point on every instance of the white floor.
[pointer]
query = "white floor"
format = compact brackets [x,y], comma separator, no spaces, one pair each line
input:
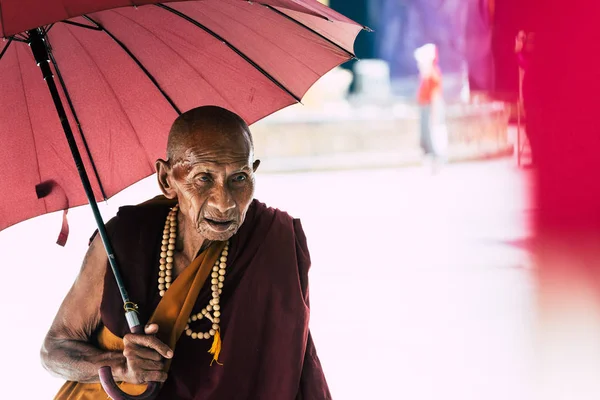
[415,291]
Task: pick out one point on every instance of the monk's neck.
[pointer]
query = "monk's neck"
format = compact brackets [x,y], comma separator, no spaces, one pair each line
[189,242]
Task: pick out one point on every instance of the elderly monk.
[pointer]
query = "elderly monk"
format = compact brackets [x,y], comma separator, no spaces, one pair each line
[220,280]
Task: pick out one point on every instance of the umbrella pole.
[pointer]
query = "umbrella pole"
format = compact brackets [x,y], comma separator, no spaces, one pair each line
[39,48]
[40,52]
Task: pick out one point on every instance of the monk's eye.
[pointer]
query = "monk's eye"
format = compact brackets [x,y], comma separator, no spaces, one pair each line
[239,178]
[202,178]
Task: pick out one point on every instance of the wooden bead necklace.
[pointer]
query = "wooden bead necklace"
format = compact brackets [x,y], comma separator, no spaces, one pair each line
[212,311]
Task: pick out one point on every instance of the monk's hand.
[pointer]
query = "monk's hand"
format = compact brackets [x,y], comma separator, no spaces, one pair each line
[145,355]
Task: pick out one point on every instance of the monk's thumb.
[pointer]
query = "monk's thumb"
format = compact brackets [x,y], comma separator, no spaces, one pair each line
[151,329]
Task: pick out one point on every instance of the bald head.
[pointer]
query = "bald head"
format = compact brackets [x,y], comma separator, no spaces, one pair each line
[206,124]
[210,171]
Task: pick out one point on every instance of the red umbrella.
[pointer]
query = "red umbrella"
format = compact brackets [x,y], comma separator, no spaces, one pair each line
[117,73]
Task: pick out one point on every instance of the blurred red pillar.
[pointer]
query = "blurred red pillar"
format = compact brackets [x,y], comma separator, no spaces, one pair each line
[566,76]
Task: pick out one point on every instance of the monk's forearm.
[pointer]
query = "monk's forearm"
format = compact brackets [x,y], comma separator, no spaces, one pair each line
[79,361]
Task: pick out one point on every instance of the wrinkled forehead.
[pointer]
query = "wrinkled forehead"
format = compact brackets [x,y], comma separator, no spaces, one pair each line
[212,143]
[214,151]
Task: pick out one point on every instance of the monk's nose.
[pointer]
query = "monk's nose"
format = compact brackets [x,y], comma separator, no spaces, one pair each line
[221,200]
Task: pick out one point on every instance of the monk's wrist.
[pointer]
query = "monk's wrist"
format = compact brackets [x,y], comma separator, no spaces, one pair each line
[118,364]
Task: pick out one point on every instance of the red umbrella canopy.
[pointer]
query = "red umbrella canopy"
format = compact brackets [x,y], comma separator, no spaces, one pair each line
[124,74]
[21,15]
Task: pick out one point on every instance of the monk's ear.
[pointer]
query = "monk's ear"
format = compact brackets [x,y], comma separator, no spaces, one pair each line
[255,165]
[163,174]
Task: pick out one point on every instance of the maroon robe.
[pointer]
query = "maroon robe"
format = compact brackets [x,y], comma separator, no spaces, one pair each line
[267,353]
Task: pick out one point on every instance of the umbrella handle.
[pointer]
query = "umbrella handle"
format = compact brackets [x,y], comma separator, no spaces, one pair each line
[114,392]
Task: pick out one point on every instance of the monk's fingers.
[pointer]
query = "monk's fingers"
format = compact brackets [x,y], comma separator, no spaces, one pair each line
[142,364]
[149,341]
[142,372]
[151,329]
[134,351]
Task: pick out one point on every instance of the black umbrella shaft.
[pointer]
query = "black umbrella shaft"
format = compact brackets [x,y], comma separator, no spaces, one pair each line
[40,52]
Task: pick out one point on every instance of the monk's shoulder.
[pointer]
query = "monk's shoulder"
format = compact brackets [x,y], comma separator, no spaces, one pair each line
[276,219]
[262,213]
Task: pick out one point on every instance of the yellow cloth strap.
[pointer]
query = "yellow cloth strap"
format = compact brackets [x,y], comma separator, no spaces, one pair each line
[171,315]
[175,308]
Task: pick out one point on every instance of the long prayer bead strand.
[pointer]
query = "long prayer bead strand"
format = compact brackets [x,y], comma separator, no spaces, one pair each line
[167,252]
[212,311]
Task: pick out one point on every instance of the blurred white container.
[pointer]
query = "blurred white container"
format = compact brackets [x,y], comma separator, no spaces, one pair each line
[333,87]
[372,79]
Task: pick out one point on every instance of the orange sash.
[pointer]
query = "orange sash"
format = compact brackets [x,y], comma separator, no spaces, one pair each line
[171,315]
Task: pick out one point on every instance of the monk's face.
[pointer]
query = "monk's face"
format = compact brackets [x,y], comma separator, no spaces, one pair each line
[213,179]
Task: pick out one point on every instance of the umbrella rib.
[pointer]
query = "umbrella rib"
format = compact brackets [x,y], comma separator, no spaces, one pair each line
[72,108]
[232,47]
[191,65]
[20,39]
[349,53]
[93,28]
[118,101]
[139,64]
[6,47]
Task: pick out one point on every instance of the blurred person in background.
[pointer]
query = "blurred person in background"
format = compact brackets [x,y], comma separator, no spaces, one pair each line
[433,138]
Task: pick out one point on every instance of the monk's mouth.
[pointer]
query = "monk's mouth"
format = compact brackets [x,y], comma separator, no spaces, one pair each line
[217,225]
